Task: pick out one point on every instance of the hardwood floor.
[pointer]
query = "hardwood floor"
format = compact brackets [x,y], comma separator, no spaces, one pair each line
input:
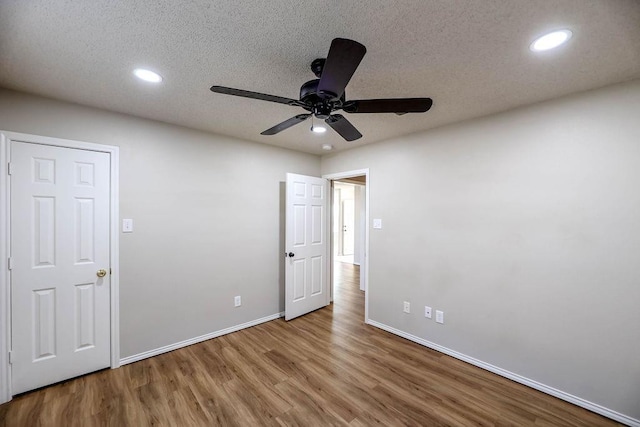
[325,368]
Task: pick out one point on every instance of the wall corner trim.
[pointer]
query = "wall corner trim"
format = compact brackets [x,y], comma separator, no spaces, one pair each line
[195,340]
[593,407]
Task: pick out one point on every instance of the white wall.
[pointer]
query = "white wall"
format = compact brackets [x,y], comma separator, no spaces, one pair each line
[207,213]
[359,230]
[524,228]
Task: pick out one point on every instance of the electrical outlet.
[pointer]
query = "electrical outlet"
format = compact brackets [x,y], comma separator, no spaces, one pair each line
[439,316]
[237,301]
[427,312]
[407,307]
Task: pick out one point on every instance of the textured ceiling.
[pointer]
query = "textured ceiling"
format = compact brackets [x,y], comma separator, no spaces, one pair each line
[470,56]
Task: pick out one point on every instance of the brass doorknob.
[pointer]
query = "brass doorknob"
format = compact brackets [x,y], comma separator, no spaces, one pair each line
[101,273]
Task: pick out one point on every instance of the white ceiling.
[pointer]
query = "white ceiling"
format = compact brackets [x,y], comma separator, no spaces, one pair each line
[470,56]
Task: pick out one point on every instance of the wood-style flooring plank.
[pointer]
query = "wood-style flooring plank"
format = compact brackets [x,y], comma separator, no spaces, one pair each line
[327,368]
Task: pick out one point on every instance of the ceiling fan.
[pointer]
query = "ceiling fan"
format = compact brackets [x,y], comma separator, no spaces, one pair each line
[323,96]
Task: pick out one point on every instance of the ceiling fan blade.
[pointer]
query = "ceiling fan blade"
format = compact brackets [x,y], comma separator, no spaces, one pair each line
[256,95]
[398,105]
[343,126]
[286,124]
[342,60]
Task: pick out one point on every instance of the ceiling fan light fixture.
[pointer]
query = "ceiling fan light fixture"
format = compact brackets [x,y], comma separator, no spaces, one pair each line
[318,129]
[550,40]
[147,75]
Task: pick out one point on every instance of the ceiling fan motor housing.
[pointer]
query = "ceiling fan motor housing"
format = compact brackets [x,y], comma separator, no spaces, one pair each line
[308,93]
[320,107]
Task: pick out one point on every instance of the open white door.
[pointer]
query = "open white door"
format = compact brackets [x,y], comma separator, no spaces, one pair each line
[307,246]
[60,278]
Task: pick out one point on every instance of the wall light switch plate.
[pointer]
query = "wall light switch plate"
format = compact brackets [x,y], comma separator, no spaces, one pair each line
[439,316]
[406,307]
[377,223]
[237,301]
[427,312]
[127,226]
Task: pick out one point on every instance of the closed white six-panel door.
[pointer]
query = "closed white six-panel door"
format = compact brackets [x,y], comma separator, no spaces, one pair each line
[60,309]
[307,257]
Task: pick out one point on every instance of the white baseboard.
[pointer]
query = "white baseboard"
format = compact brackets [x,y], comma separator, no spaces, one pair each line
[191,341]
[594,407]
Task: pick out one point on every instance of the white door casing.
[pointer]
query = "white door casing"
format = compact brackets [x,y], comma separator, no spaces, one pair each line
[307,245]
[60,226]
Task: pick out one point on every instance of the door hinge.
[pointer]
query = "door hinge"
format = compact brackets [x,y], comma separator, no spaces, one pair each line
[10,263]
[10,168]
[10,357]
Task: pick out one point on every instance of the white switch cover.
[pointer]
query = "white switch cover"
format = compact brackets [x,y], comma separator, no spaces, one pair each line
[427,312]
[127,226]
[406,307]
[439,316]
[377,223]
[237,301]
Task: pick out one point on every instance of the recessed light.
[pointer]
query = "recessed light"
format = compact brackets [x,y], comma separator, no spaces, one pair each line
[551,40]
[327,147]
[147,75]
[318,129]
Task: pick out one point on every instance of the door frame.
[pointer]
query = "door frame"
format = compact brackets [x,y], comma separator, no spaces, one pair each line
[365,262]
[5,250]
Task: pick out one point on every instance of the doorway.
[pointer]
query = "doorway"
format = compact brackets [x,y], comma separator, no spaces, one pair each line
[349,233]
[348,225]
